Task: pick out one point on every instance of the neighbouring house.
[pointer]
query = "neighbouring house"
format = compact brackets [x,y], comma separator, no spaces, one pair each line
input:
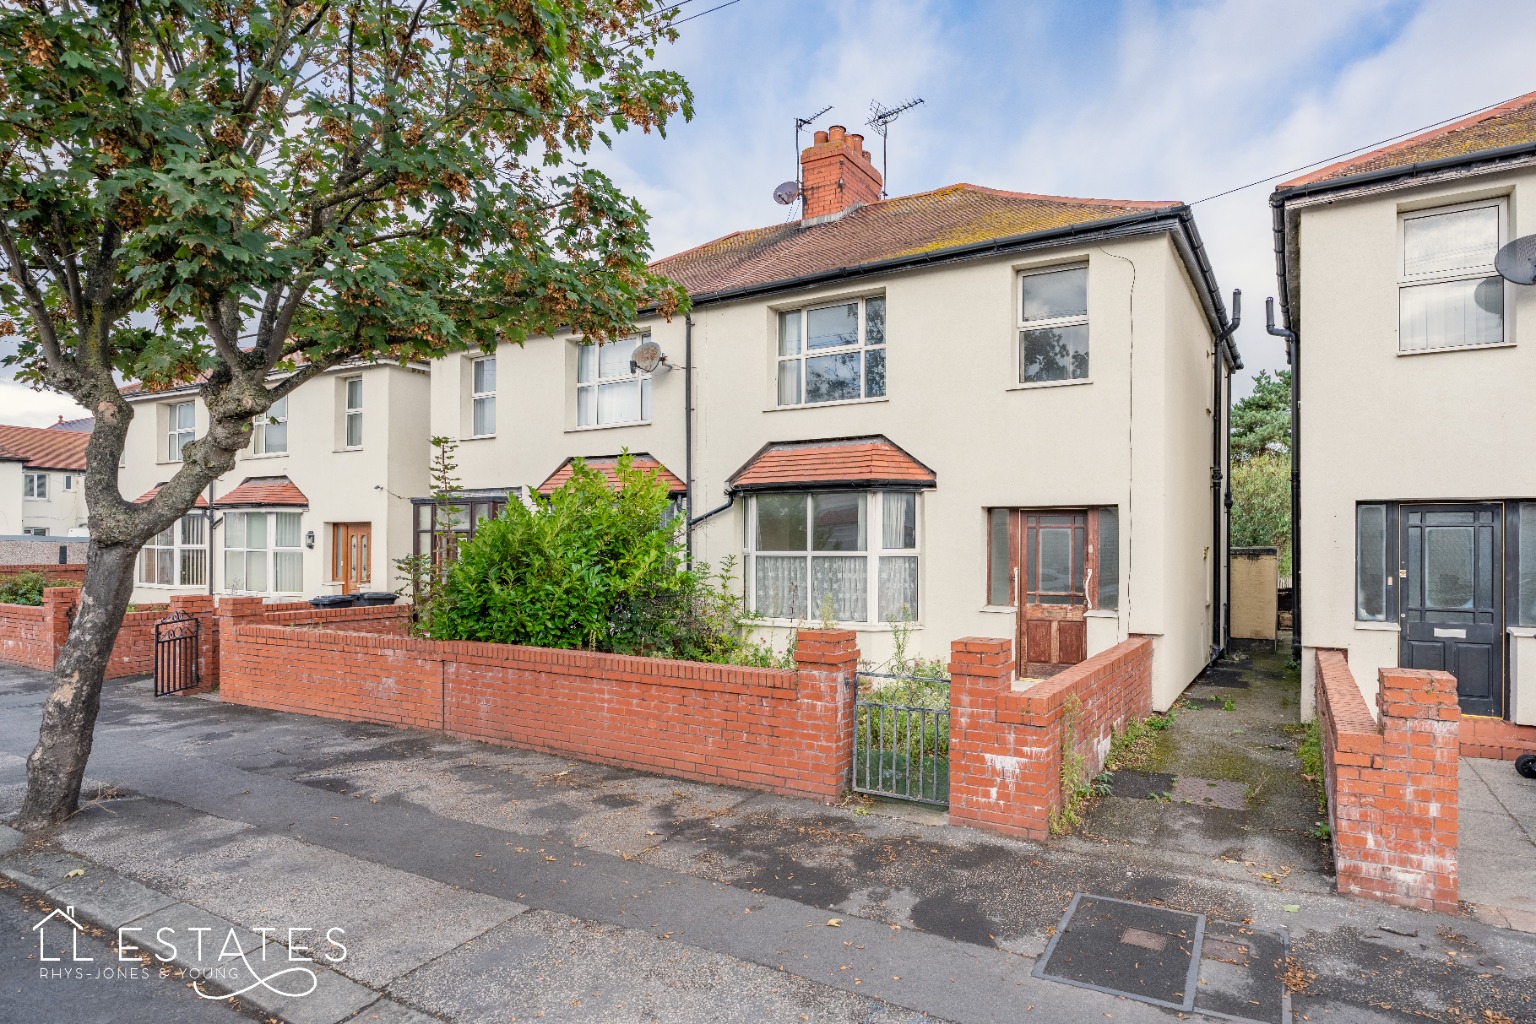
[42,481]
[1414,361]
[971,411]
[318,504]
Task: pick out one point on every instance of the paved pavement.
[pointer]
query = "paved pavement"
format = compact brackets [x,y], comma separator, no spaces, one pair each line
[1497,848]
[476,883]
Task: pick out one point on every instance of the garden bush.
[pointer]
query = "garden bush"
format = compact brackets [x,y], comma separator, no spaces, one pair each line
[27,588]
[591,567]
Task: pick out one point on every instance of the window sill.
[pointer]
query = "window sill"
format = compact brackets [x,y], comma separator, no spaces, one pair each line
[1102,613]
[477,437]
[607,426]
[1456,348]
[858,627]
[827,405]
[1049,384]
[354,448]
[1371,626]
[267,455]
[999,609]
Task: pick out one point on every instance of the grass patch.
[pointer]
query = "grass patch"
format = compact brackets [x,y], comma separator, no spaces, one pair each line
[1310,750]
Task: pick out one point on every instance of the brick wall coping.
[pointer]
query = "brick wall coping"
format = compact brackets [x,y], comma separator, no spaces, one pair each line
[1041,702]
[308,615]
[666,671]
[1354,727]
[22,610]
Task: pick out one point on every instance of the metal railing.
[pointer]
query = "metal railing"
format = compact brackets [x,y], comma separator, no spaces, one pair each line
[901,737]
[176,653]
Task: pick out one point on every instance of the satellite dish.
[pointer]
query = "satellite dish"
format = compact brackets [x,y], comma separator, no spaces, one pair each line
[1517,261]
[647,357]
[787,193]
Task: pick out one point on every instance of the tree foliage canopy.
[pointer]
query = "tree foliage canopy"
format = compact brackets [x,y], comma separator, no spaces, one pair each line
[1261,422]
[200,190]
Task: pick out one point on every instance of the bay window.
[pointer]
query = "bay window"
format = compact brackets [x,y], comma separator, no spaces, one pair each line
[263,552]
[177,556]
[609,390]
[832,353]
[1449,294]
[852,556]
[1053,325]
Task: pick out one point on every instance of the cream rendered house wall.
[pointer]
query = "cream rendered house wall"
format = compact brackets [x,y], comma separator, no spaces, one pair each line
[59,513]
[372,484]
[949,401]
[1376,425]
[11,520]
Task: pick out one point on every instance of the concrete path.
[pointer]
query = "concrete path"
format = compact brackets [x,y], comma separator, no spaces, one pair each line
[476,883]
[1497,848]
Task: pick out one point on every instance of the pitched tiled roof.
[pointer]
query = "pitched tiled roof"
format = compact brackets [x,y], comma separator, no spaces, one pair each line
[904,226]
[44,448]
[839,462]
[1509,124]
[261,491]
[608,466]
[84,425]
[201,502]
[6,455]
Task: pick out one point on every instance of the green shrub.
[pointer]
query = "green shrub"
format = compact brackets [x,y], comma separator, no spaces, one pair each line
[595,568]
[27,588]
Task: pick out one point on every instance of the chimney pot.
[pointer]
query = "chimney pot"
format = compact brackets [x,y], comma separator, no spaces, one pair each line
[836,132]
[820,137]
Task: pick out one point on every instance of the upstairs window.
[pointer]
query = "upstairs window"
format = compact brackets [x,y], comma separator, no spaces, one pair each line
[1449,295]
[1053,326]
[832,353]
[181,428]
[69,481]
[482,397]
[177,555]
[609,390]
[34,485]
[269,435]
[353,388]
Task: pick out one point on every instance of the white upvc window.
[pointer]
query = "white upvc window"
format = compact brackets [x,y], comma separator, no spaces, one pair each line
[609,390]
[853,556]
[1053,325]
[269,434]
[35,486]
[352,388]
[69,481]
[1449,294]
[832,353]
[482,396]
[263,553]
[34,531]
[177,556]
[180,428]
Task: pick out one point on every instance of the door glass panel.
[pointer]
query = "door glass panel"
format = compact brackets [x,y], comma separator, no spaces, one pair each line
[1448,518]
[1415,596]
[1055,557]
[1371,562]
[1484,567]
[1448,557]
[1527,567]
[1109,558]
[1000,558]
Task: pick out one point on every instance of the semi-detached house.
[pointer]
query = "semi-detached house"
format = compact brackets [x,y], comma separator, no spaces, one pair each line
[42,481]
[1414,360]
[971,411]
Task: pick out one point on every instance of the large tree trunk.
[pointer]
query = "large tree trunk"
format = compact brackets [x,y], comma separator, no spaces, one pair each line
[57,765]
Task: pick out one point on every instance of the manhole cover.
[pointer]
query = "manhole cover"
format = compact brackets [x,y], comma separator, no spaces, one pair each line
[1209,793]
[1140,785]
[1147,953]
[1170,958]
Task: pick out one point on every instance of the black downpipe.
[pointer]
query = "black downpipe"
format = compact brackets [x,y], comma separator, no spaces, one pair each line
[688,439]
[1220,562]
[730,499]
[1293,354]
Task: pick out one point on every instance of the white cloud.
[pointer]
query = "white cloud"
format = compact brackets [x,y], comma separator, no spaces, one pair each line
[22,406]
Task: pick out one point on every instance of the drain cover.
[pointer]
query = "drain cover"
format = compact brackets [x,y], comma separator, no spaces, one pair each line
[1147,953]
[1140,785]
[1209,793]
[1170,958]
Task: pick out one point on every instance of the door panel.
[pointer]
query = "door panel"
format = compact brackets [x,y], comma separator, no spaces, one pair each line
[1452,616]
[350,558]
[1052,547]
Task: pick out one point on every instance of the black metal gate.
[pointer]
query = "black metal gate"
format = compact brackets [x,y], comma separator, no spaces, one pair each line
[176,644]
[901,737]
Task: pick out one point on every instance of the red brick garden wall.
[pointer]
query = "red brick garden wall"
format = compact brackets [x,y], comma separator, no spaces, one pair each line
[24,636]
[1006,745]
[391,620]
[73,572]
[1496,738]
[1392,786]
[134,652]
[787,731]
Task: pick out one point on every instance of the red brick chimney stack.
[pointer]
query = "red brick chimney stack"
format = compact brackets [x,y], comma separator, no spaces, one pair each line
[836,172]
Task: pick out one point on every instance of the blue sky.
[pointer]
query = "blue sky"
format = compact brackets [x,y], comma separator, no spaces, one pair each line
[1124,100]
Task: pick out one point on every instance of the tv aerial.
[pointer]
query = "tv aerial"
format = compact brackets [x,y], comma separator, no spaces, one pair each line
[788,191]
[1516,261]
[880,121]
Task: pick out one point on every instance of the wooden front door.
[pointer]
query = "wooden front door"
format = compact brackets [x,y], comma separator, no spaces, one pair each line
[1053,632]
[351,554]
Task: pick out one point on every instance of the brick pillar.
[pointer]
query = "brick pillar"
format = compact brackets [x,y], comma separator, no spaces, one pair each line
[58,604]
[229,613]
[1420,733]
[997,780]
[828,664]
[200,607]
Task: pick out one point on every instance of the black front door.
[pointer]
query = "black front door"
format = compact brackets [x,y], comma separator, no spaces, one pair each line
[1453,598]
